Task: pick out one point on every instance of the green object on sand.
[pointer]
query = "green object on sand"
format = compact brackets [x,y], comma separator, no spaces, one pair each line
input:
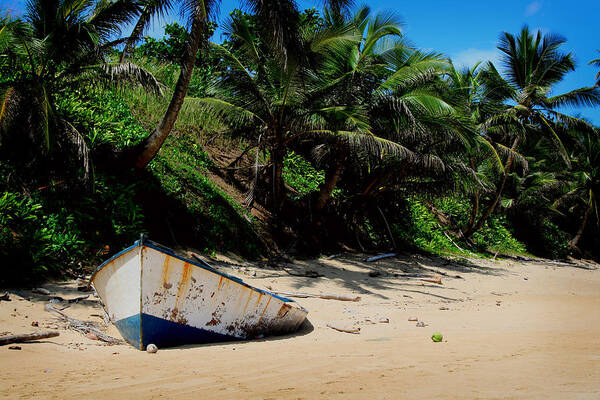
[437,337]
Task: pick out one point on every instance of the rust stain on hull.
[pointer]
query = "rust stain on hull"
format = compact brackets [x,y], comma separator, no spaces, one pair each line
[165,273]
[263,311]
[182,290]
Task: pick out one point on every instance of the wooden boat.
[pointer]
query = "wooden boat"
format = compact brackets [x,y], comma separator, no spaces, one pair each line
[154,296]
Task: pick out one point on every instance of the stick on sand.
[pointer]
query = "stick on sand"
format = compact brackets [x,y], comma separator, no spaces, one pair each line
[345,330]
[27,337]
[320,296]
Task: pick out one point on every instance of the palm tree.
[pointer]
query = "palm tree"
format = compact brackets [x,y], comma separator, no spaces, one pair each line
[347,83]
[279,18]
[60,45]
[465,91]
[273,104]
[533,65]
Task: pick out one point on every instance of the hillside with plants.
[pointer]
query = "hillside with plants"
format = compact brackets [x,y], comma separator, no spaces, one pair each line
[302,132]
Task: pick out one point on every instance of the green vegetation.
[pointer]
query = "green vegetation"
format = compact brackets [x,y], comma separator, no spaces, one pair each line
[301,130]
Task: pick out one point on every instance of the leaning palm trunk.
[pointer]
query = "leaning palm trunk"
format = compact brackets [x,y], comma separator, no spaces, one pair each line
[331,178]
[498,194]
[147,150]
[573,242]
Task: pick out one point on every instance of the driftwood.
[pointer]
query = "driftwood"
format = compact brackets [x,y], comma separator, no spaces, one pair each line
[346,330]
[320,296]
[73,300]
[27,337]
[436,280]
[5,297]
[379,257]
[83,327]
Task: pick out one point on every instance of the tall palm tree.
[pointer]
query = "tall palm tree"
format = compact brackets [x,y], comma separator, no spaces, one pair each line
[347,79]
[59,45]
[273,105]
[533,65]
[465,91]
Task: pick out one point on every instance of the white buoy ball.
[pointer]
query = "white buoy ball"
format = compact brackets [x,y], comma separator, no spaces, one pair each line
[151,348]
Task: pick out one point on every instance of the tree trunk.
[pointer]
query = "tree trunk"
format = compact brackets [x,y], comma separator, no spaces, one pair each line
[475,209]
[147,150]
[498,195]
[331,178]
[573,242]
[136,33]
[278,184]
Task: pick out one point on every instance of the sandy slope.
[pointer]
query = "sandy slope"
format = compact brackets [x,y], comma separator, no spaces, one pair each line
[526,330]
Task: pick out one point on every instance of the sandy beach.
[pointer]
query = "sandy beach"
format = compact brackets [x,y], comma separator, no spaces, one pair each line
[512,330]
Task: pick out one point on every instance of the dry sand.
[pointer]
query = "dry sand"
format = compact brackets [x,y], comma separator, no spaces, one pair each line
[512,330]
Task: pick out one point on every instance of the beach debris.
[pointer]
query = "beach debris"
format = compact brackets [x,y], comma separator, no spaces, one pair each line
[78,299]
[526,279]
[498,303]
[413,319]
[83,327]
[320,296]
[437,280]
[444,308]
[14,347]
[91,335]
[5,297]
[437,337]
[59,299]
[407,296]
[151,348]
[331,257]
[384,320]
[27,337]
[345,330]
[41,291]
[35,323]
[421,324]
[374,274]
[379,257]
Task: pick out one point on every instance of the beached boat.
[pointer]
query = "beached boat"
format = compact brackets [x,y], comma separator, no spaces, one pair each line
[154,296]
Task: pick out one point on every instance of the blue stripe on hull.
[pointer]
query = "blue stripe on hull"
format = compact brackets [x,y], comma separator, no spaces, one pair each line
[164,333]
[130,329]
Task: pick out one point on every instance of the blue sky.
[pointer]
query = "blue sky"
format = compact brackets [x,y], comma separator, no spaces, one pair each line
[468,30]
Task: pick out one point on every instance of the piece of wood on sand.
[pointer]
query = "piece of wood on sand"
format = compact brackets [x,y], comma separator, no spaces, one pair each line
[379,257]
[320,296]
[345,330]
[434,279]
[27,337]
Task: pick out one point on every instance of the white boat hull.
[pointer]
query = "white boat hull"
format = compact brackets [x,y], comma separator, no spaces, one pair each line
[155,296]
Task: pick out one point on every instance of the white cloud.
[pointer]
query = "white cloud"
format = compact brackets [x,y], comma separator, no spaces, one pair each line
[533,8]
[470,57]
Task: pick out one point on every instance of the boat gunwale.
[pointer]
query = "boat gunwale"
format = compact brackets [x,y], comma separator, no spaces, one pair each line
[165,250]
